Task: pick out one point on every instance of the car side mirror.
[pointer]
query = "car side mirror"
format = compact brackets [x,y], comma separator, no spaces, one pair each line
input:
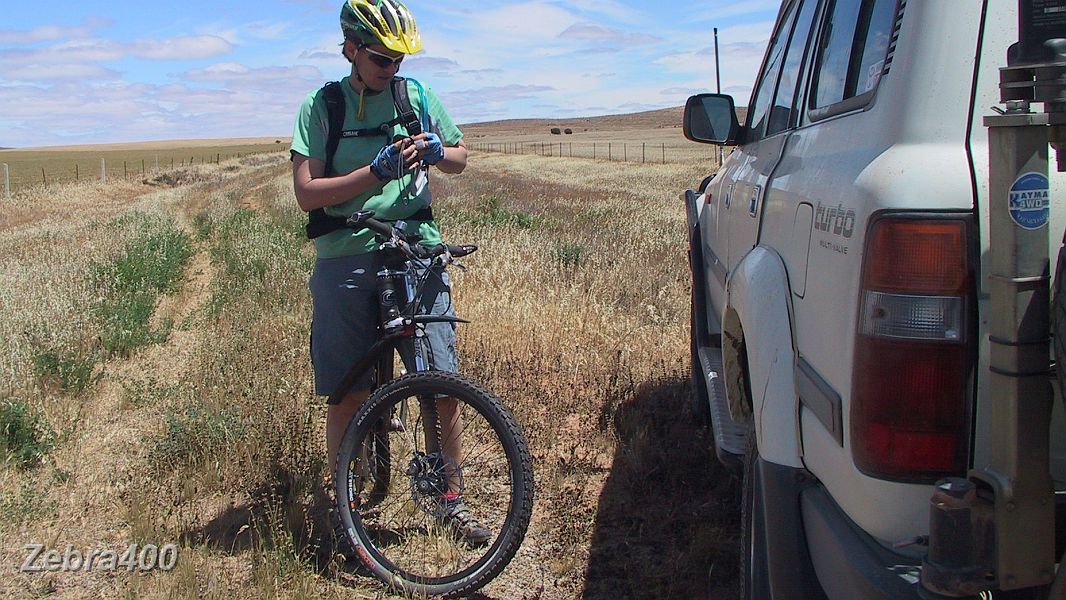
[711,119]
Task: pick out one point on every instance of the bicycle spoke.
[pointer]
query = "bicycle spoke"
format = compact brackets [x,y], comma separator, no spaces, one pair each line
[429,524]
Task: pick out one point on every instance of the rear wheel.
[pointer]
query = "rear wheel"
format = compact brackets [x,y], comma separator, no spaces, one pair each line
[405,533]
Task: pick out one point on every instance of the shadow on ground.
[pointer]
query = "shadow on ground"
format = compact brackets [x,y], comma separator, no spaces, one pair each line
[667,521]
[290,506]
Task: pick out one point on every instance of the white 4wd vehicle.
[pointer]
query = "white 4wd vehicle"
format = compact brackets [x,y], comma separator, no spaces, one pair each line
[841,317]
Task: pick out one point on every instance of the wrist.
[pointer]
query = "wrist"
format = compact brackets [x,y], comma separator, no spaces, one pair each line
[377,173]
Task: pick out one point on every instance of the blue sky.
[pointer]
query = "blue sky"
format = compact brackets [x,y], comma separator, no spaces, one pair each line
[119,71]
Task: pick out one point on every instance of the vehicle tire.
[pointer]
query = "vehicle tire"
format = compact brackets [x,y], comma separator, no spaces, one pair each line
[1058,319]
[400,533]
[753,569]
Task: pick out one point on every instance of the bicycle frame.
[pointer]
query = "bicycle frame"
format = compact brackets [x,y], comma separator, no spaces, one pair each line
[396,328]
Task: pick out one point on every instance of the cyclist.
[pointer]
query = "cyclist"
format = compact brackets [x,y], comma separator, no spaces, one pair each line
[379,172]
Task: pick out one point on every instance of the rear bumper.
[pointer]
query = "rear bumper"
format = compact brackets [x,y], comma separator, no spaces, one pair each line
[849,564]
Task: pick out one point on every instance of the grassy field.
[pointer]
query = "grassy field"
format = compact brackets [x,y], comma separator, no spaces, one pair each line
[37,166]
[653,136]
[157,389]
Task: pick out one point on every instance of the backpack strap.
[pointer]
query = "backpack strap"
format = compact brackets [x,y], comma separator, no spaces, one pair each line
[318,222]
[406,113]
[334,97]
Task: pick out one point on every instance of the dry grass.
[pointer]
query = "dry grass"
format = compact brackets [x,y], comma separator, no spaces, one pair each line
[63,164]
[211,437]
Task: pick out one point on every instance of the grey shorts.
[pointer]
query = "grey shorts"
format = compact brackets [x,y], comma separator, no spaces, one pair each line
[345,318]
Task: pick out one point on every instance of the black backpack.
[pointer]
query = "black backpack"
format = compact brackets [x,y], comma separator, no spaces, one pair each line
[318,222]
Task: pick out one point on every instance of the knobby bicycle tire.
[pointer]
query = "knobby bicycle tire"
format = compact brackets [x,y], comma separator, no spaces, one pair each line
[401,534]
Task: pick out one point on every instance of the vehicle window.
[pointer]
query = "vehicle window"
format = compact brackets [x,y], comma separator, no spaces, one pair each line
[760,100]
[783,111]
[853,49]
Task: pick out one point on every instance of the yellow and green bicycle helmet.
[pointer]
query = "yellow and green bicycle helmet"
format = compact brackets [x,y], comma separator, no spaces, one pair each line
[385,22]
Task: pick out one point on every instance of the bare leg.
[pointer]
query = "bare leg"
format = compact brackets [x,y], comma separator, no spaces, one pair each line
[451,430]
[337,418]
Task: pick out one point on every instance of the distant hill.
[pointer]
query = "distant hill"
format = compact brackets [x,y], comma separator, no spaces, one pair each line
[663,118]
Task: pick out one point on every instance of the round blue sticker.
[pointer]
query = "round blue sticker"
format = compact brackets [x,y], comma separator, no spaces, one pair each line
[1029,200]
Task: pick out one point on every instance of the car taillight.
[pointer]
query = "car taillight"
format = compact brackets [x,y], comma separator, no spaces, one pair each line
[913,353]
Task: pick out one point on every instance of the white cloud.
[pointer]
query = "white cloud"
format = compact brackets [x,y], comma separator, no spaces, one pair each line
[50,72]
[601,34]
[235,75]
[504,93]
[520,23]
[317,55]
[430,63]
[47,33]
[180,48]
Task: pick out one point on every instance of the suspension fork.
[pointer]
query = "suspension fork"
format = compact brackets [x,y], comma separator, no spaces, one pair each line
[413,355]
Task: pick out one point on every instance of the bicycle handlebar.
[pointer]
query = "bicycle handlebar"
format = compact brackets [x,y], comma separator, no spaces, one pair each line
[365,218]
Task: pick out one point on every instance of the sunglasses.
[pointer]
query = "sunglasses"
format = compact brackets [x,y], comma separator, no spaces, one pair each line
[383,60]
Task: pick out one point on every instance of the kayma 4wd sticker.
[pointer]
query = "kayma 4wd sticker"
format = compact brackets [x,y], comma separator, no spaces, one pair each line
[1029,200]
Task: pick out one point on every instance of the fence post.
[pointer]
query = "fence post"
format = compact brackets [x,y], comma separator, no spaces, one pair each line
[593,150]
[125,173]
[610,151]
[664,153]
[625,152]
[643,153]
[103,172]
[7,183]
[77,175]
[44,178]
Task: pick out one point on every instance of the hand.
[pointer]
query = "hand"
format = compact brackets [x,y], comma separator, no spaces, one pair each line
[393,161]
[429,147]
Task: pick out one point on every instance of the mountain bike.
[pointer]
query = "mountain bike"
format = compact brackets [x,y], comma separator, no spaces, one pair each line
[425,446]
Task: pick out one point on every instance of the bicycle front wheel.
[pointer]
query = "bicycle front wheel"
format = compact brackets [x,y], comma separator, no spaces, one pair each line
[457,500]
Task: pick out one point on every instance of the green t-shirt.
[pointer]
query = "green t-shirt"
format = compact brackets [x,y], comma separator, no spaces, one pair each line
[393,199]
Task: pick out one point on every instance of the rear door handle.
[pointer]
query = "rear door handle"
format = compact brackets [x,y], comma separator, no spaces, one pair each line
[753,203]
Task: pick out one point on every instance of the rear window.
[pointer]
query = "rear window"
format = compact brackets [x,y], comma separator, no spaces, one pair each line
[851,56]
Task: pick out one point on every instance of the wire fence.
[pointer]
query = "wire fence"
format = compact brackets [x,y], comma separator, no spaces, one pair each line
[642,152]
[24,169]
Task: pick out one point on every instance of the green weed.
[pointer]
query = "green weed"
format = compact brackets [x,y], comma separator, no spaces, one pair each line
[202,225]
[194,434]
[74,372]
[139,393]
[569,255]
[26,504]
[26,437]
[492,213]
[255,254]
[152,264]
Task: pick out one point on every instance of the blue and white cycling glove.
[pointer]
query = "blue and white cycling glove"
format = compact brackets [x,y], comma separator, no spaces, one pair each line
[388,164]
[434,149]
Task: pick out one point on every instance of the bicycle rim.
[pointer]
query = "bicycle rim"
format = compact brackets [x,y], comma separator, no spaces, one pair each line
[396,521]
